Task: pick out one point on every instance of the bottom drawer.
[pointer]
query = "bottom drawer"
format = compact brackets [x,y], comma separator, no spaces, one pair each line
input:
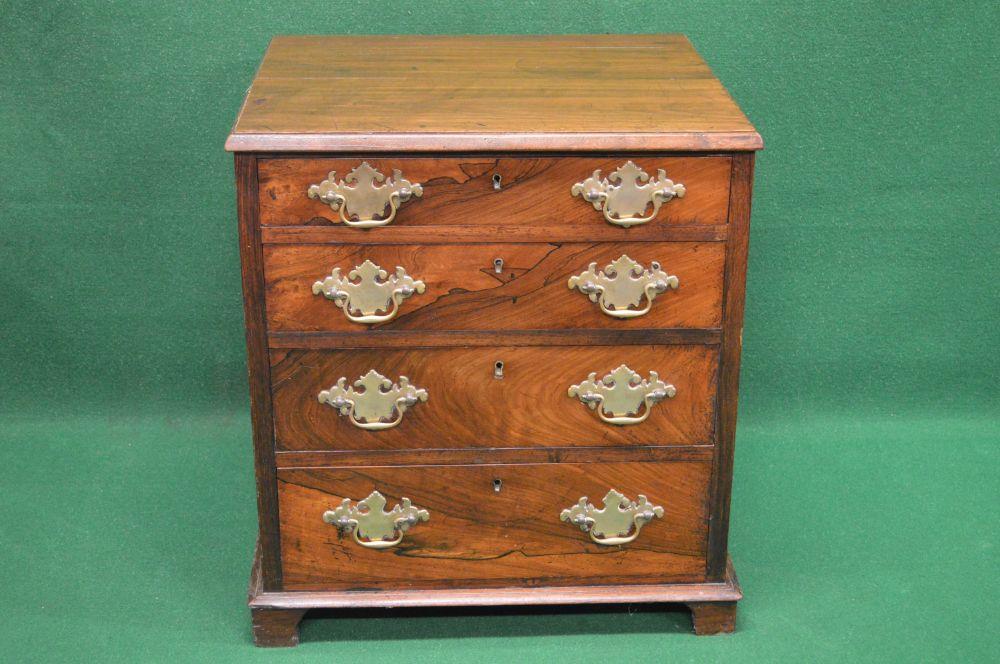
[492,525]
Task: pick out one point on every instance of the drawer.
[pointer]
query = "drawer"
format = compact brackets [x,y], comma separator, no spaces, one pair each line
[533,192]
[464,288]
[492,525]
[468,406]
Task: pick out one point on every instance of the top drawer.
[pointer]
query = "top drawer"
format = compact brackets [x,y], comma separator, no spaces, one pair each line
[526,192]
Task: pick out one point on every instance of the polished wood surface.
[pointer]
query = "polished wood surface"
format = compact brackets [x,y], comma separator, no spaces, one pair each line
[464,291]
[258,370]
[468,407]
[491,234]
[729,373]
[727,590]
[477,535]
[534,192]
[271,627]
[451,113]
[481,92]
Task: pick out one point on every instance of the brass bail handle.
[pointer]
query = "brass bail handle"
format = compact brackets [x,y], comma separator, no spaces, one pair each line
[626,193]
[370,525]
[362,197]
[617,523]
[622,285]
[373,402]
[619,397]
[367,290]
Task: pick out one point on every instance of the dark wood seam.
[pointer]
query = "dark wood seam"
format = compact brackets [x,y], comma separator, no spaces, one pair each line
[447,338]
[315,459]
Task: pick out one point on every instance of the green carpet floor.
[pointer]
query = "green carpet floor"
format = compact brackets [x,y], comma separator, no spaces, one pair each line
[130,540]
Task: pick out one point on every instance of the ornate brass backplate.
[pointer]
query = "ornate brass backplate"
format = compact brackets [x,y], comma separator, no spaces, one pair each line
[626,194]
[371,525]
[618,523]
[367,290]
[620,287]
[619,396]
[359,198]
[379,404]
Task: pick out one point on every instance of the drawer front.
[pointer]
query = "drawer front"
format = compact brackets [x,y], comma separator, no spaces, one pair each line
[467,405]
[465,288]
[491,525]
[533,192]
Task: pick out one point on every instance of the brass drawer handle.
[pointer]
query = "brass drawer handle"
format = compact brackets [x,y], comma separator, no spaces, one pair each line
[619,396]
[618,523]
[625,194]
[379,405]
[369,520]
[359,196]
[622,285]
[368,289]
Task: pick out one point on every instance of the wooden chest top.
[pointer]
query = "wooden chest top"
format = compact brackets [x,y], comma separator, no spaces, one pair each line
[430,93]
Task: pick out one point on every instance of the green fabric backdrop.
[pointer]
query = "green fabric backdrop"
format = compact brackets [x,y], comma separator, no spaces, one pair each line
[866,491]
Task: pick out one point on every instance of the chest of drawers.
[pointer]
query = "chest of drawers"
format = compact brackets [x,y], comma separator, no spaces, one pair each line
[494,300]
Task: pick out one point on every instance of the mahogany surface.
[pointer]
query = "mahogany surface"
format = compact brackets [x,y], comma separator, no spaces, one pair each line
[276,614]
[729,373]
[726,590]
[533,192]
[468,407]
[482,92]
[450,113]
[465,292]
[479,536]
[469,233]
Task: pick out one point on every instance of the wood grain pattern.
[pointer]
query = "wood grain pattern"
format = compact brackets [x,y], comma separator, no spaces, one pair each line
[258,369]
[487,92]
[469,408]
[727,590]
[479,536]
[450,113]
[458,191]
[464,292]
[491,234]
[472,142]
[729,371]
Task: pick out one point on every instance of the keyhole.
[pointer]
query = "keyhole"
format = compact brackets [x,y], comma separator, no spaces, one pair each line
[498,370]
[496,181]
[498,265]
[497,485]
